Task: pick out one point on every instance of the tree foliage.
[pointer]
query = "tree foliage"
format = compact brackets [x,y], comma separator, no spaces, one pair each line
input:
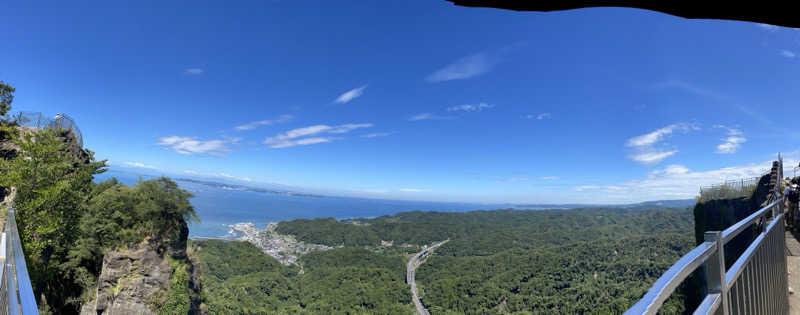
[53,186]
[67,222]
[240,279]
[6,97]
[583,261]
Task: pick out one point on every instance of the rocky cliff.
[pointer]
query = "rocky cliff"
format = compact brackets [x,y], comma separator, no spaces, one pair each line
[137,280]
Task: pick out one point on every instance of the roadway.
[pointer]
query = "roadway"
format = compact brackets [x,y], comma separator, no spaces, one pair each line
[411,271]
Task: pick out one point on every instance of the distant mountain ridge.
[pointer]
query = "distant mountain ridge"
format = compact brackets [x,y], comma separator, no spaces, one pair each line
[673,203]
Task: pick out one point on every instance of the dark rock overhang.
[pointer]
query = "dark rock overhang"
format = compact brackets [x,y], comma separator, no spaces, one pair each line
[775,13]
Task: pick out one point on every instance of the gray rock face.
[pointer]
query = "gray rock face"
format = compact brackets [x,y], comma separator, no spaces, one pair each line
[129,280]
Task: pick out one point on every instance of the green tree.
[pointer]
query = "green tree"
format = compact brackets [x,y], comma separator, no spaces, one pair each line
[6,97]
[52,187]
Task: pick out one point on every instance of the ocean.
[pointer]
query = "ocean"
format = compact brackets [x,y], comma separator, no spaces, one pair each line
[218,208]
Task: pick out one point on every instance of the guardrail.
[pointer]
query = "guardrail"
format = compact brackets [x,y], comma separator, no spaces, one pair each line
[16,292]
[756,283]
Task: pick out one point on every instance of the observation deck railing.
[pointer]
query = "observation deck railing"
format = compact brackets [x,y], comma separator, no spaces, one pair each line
[756,283]
[16,292]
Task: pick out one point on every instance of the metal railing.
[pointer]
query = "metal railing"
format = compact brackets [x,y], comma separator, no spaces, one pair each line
[40,121]
[16,292]
[756,283]
[729,189]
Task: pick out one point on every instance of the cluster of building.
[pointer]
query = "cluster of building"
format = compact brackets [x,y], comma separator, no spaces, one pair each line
[284,248]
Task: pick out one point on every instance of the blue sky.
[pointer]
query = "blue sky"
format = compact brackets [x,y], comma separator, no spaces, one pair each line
[413,100]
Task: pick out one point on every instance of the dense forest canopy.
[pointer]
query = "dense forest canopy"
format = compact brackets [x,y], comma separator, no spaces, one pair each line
[582,261]
[239,279]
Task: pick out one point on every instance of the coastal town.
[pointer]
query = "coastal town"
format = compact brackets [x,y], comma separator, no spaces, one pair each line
[284,248]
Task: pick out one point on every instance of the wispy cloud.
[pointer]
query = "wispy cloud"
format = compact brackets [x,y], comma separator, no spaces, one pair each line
[732,142]
[788,53]
[541,116]
[470,107]
[194,71]
[428,116]
[350,95]
[191,145]
[464,68]
[377,134]
[309,135]
[691,88]
[657,135]
[139,165]
[265,122]
[515,179]
[228,176]
[414,190]
[653,156]
[767,27]
[221,175]
[373,191]
[645,145]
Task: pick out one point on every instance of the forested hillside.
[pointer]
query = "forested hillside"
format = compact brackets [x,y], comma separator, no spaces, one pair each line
[583,261]
[239,279]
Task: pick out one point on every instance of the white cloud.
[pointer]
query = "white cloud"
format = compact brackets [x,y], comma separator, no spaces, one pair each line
[190,145]
[304,141]
[659,134]
[515,179]
[599,187]
[194,71]
[541,116]
[470,107]
[350,95]
[464,68]
[191,172]
[675,182]
[377,134]
[140,165]
[673,169]
[767,27]
[228,176]
[732,142]
[373,191]
[788,53]
[691,88]
[412,190]
[427,116]
[651,157]
[731,145]
[265,122]
[296,136]
[645,148]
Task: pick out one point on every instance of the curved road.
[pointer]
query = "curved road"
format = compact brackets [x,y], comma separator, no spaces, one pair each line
[411,270]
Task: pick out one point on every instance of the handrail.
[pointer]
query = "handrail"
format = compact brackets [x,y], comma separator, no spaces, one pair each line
[755,283]
[671,278]
[16,289]
[734,230]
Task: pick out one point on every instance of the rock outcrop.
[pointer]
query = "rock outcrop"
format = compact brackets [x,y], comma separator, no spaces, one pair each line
[129,280]
[135,280]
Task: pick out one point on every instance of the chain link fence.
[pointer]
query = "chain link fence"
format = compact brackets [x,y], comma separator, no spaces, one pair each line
[39,121]
[730,189]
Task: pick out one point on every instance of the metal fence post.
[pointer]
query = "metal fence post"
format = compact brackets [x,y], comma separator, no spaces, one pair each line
[715,271]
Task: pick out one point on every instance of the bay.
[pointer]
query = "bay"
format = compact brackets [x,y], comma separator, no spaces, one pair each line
[218,207]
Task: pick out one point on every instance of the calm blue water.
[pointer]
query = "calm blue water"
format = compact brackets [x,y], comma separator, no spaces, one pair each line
[218,207]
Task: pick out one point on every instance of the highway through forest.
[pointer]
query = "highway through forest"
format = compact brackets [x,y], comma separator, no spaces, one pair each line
[411,270]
